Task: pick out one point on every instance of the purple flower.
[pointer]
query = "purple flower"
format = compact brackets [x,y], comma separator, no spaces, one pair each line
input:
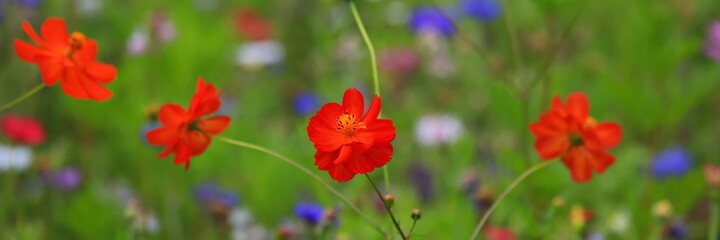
[423,180]
[483,10]
[211,196]
[399,61]
[430,19]
[676,230]
[68,178]
[673,161]
[309,212]
[712,46]
[306,103]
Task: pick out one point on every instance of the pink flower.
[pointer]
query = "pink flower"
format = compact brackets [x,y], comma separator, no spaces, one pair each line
[23,130]
[712,46]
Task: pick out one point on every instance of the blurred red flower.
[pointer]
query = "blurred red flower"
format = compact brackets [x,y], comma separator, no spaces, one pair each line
[347,142]
[567,131]
[252,26]
[498,233]
[69,59]
[23,130]
[186,133]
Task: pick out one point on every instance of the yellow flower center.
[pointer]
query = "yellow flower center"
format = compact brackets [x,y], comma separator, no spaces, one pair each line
[76,42]
[348,124]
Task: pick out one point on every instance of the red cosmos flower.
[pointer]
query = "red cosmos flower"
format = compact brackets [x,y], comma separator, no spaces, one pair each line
[567,131]
[24,130]
[186,133]
[69,59]
[348,142]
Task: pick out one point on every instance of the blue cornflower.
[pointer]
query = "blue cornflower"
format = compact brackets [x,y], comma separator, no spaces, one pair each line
[309,212]
[210,194]
[483,10]
[673,161]
[424,19]
[306,103]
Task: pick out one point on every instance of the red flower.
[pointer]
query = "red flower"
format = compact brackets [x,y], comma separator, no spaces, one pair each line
[24,130]
[69,59]
[567,131]
[252,26]
[498,233]
[186,133]
[349,142]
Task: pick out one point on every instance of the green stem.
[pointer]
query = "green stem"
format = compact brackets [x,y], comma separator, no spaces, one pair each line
[412,228]
[387,207]
[713,232]
[543,72]
[510,25]
[22,98]
[507,191]
[373,62]
[305,170]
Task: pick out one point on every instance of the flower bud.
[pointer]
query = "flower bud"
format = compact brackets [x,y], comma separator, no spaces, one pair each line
[389,200]
[558,202]
[416,214]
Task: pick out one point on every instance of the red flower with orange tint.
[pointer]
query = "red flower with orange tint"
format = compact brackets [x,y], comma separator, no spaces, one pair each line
[23,130]
[187,133]
[69,59]
[567,131]
[349,142]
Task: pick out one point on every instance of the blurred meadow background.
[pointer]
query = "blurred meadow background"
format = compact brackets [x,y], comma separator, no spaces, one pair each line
[461,94]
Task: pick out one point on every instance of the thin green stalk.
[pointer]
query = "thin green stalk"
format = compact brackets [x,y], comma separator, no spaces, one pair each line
[387,207]
[543,73]
[373,62]
[22,98]
[412,228]
[507,191]
[714,222]
[515,44]
[308,172]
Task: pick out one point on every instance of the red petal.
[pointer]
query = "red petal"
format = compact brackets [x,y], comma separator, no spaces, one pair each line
[71,85]
[88,52]
[340,173]
[384,129]
[94,90]
[31,33]
[182,154]
[579,164]
[198,142]
[101,72]
[172,114]
[600,160]
[373,111]
[549,148]
[359,165]
[55,33]
[324,160]
[167,151]
[51,69]
[578,106]
[325,139]
[550,125]
[214,125]
[346,152]
[28,52]
[609,134]
[163,136]
[354,102]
